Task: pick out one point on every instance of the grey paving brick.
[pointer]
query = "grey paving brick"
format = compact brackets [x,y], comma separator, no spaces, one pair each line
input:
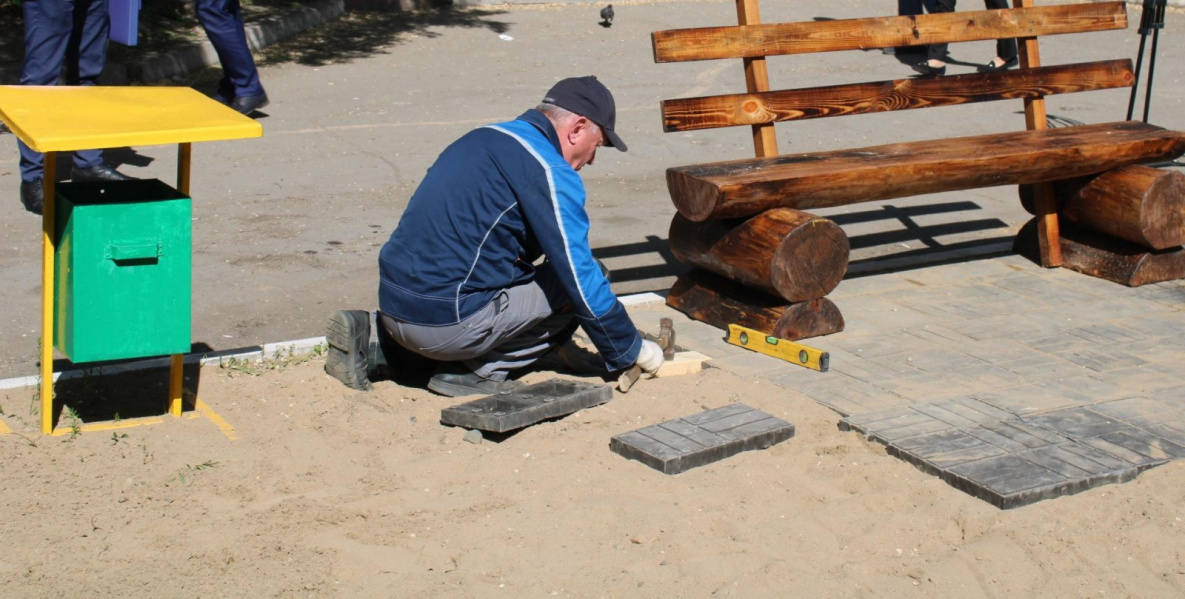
[946,448]
[943,310]
[937,334]
[925,387]
[1144,443]
[1106,333]
[1100,359]
[991,327]
[1054,342]
[1026,434]
[678,445]
[870,345]
[986,378]
[1121,451]
[1145,378]
[1166,324]
[1007,444]
[526,406]
[997,351]
[843,394]
[1025,399]
[893,417]
[1077,422]
[1172,396]
[1042,366]
[941,360]
[1008,481]
[974,410]
[893,436]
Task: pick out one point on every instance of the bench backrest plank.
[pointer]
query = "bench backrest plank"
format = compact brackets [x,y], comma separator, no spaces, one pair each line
[777,39]
[689,114]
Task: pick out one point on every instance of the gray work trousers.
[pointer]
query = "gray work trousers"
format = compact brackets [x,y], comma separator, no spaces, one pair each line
[515,329]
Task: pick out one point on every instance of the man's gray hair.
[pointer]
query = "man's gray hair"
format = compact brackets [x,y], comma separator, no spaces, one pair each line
[561,116]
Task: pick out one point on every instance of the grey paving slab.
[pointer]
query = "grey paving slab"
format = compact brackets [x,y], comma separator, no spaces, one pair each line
[1145,378]
[678,445]
[1100,359]
[526,406]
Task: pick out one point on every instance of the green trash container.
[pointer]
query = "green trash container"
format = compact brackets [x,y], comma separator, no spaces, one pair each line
[122,268]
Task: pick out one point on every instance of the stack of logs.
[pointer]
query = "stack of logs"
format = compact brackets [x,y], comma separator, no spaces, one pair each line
[769,272]
[1126,225]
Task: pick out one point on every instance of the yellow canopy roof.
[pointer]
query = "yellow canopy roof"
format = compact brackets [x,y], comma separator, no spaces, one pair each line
[65,118]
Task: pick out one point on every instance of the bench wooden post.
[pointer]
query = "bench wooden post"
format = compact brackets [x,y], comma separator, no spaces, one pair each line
[765,142]
[1048,232]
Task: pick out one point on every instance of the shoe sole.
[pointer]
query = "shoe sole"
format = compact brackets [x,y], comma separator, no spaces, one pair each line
[342,362]
[453,390]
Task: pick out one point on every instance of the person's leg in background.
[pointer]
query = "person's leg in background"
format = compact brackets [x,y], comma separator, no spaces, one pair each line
[1006,54]
[240,87]
[70,33]
[935,63]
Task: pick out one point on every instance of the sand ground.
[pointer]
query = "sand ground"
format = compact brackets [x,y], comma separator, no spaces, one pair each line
[331,493]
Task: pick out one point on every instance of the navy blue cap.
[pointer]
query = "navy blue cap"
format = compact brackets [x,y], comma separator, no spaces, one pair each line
[590,99]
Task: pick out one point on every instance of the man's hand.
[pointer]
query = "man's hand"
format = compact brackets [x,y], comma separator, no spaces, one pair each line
[650,358]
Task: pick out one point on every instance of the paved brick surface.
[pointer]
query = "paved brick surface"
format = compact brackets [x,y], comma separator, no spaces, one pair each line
[1010,382]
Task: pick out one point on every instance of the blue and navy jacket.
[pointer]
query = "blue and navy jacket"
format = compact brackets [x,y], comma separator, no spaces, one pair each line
[495,201]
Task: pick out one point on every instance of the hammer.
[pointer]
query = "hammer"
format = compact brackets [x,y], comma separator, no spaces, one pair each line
[666,340]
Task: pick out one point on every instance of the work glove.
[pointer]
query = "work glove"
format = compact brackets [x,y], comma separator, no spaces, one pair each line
[650,358]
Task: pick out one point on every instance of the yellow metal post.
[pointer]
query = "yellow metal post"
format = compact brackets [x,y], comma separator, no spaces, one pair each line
[47,290]
[177,364]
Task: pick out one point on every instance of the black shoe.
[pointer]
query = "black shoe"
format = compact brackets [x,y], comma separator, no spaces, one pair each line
[99,172]
[33,195]
[248,104]
[453,381]
[927,70]
[348,335]
[991,67]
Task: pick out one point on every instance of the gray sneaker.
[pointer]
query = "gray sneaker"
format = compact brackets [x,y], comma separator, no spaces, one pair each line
[348,335]
[454,381]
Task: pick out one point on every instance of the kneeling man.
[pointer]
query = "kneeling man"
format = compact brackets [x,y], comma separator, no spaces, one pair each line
[460,280]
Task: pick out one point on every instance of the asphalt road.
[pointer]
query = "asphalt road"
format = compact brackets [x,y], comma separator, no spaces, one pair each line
[288,227]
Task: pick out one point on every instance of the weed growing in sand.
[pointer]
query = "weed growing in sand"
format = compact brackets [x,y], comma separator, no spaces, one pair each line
[281,359]
[117,437]
[75,422]
[191,470]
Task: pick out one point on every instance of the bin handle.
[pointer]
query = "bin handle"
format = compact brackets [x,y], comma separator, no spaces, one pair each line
[133,251]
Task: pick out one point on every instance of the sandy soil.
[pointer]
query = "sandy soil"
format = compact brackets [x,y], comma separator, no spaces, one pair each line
[331,493]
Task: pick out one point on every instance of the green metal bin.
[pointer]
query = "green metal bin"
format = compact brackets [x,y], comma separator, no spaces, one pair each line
[123,270]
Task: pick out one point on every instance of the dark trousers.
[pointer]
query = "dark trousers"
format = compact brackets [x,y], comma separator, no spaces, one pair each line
[914,7]
[223,22]
[69,34]
[1005,48]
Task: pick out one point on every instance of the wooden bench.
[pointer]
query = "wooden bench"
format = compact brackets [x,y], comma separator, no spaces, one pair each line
[761,262]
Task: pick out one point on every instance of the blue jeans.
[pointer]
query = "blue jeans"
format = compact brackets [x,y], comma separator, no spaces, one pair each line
[63,34]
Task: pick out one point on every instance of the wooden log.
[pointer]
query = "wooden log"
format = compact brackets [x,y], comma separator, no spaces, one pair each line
[736,188]
[776,39]
[784,252]
[1108,258]
[1140,204]
[719,302]
[689,114]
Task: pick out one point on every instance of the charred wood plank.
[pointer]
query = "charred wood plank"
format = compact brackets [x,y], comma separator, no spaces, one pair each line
[737,188]
[1106,257]
[776,39]
[784,252]
[1140,204]
[719,302]
[689,114]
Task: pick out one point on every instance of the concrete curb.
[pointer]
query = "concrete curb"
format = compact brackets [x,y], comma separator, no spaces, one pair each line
[283,349]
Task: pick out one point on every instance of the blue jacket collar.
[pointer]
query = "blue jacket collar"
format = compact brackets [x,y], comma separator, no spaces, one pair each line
[544,126]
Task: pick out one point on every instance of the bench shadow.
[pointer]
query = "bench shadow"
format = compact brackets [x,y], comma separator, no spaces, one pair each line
[933,251]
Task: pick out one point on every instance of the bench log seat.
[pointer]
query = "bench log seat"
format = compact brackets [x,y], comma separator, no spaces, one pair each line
[736,188]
